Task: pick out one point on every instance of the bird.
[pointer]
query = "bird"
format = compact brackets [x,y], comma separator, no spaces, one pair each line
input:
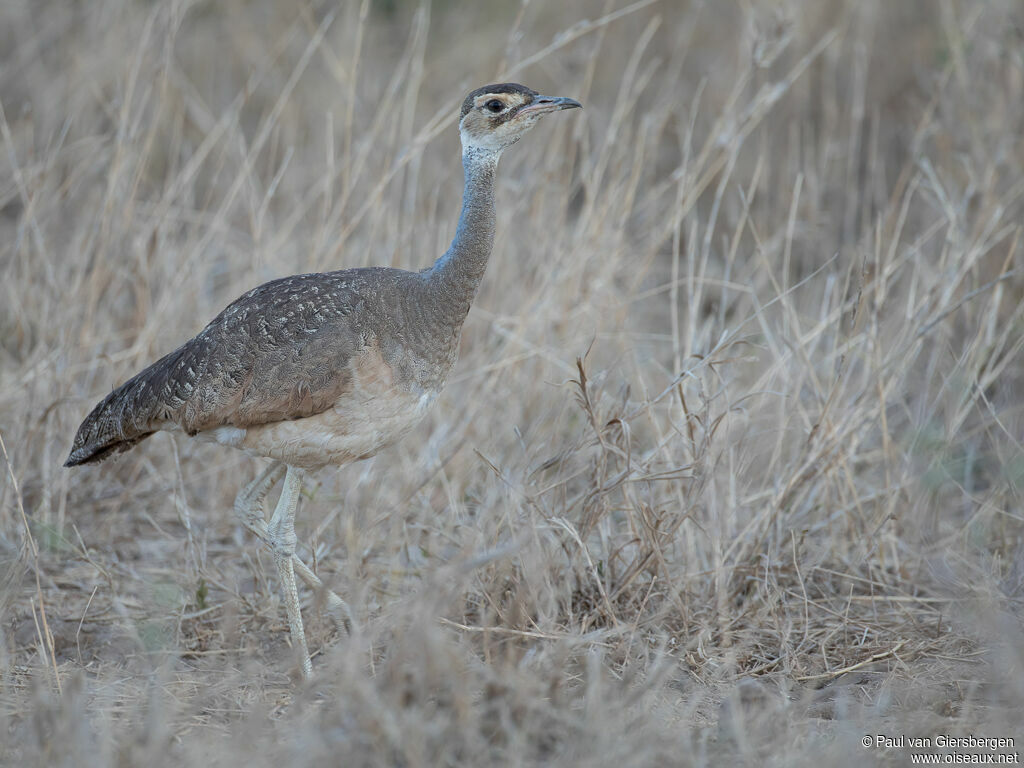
[328,368]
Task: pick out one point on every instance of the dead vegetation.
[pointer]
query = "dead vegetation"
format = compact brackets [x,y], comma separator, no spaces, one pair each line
[730,469]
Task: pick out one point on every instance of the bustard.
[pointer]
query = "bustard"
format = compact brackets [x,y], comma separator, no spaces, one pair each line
[326,368]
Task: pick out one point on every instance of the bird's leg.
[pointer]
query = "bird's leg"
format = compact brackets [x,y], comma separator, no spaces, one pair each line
[337,607]
[282,541]
[249,500]
[249,509]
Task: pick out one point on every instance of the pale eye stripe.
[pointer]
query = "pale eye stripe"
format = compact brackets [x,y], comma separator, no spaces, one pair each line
[509,100]
[481,100]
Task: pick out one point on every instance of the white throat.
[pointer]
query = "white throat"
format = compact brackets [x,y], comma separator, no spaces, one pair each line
[483,147]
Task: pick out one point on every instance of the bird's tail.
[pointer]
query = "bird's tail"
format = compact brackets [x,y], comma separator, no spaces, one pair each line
[110,428]
[130,413]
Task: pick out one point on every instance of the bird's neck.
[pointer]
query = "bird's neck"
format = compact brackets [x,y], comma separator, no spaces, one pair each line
[457,274]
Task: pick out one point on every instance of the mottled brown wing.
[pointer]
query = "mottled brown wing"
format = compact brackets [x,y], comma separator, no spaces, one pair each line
[281,351]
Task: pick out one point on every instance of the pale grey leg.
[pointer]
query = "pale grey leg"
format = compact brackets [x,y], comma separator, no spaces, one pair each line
[249,509]
[248,502]
[282,541]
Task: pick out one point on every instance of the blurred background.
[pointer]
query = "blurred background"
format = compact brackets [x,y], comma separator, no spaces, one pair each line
[731,465]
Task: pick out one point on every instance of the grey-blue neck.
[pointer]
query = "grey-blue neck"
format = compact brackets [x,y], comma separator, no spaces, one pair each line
[457,274]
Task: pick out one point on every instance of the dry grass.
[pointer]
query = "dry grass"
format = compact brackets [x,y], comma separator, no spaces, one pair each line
[730,469]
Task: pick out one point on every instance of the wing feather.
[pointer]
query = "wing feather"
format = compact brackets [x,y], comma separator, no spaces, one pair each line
[281,351]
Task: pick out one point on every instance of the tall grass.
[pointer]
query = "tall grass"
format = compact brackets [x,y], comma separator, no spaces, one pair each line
[730,468]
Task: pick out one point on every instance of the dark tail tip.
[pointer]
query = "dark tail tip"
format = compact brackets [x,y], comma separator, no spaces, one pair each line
[79,456]
[73,460]
[94,454]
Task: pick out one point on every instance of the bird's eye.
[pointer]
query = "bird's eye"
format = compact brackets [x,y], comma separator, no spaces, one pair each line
[495,105]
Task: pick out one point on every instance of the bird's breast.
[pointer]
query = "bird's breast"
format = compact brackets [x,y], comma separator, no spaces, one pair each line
[351,430]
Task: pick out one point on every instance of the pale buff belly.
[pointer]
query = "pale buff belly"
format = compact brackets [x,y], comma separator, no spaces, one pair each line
[356,427]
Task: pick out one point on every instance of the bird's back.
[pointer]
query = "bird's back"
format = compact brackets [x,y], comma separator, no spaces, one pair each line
[317,355]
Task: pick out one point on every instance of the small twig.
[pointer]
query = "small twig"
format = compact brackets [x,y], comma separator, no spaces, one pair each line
[943,315]
[837,672]
[46,635]
[520,632]
[568,528]
[81,621]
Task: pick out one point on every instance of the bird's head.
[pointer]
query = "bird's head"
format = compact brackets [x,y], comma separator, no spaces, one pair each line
[497,116]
